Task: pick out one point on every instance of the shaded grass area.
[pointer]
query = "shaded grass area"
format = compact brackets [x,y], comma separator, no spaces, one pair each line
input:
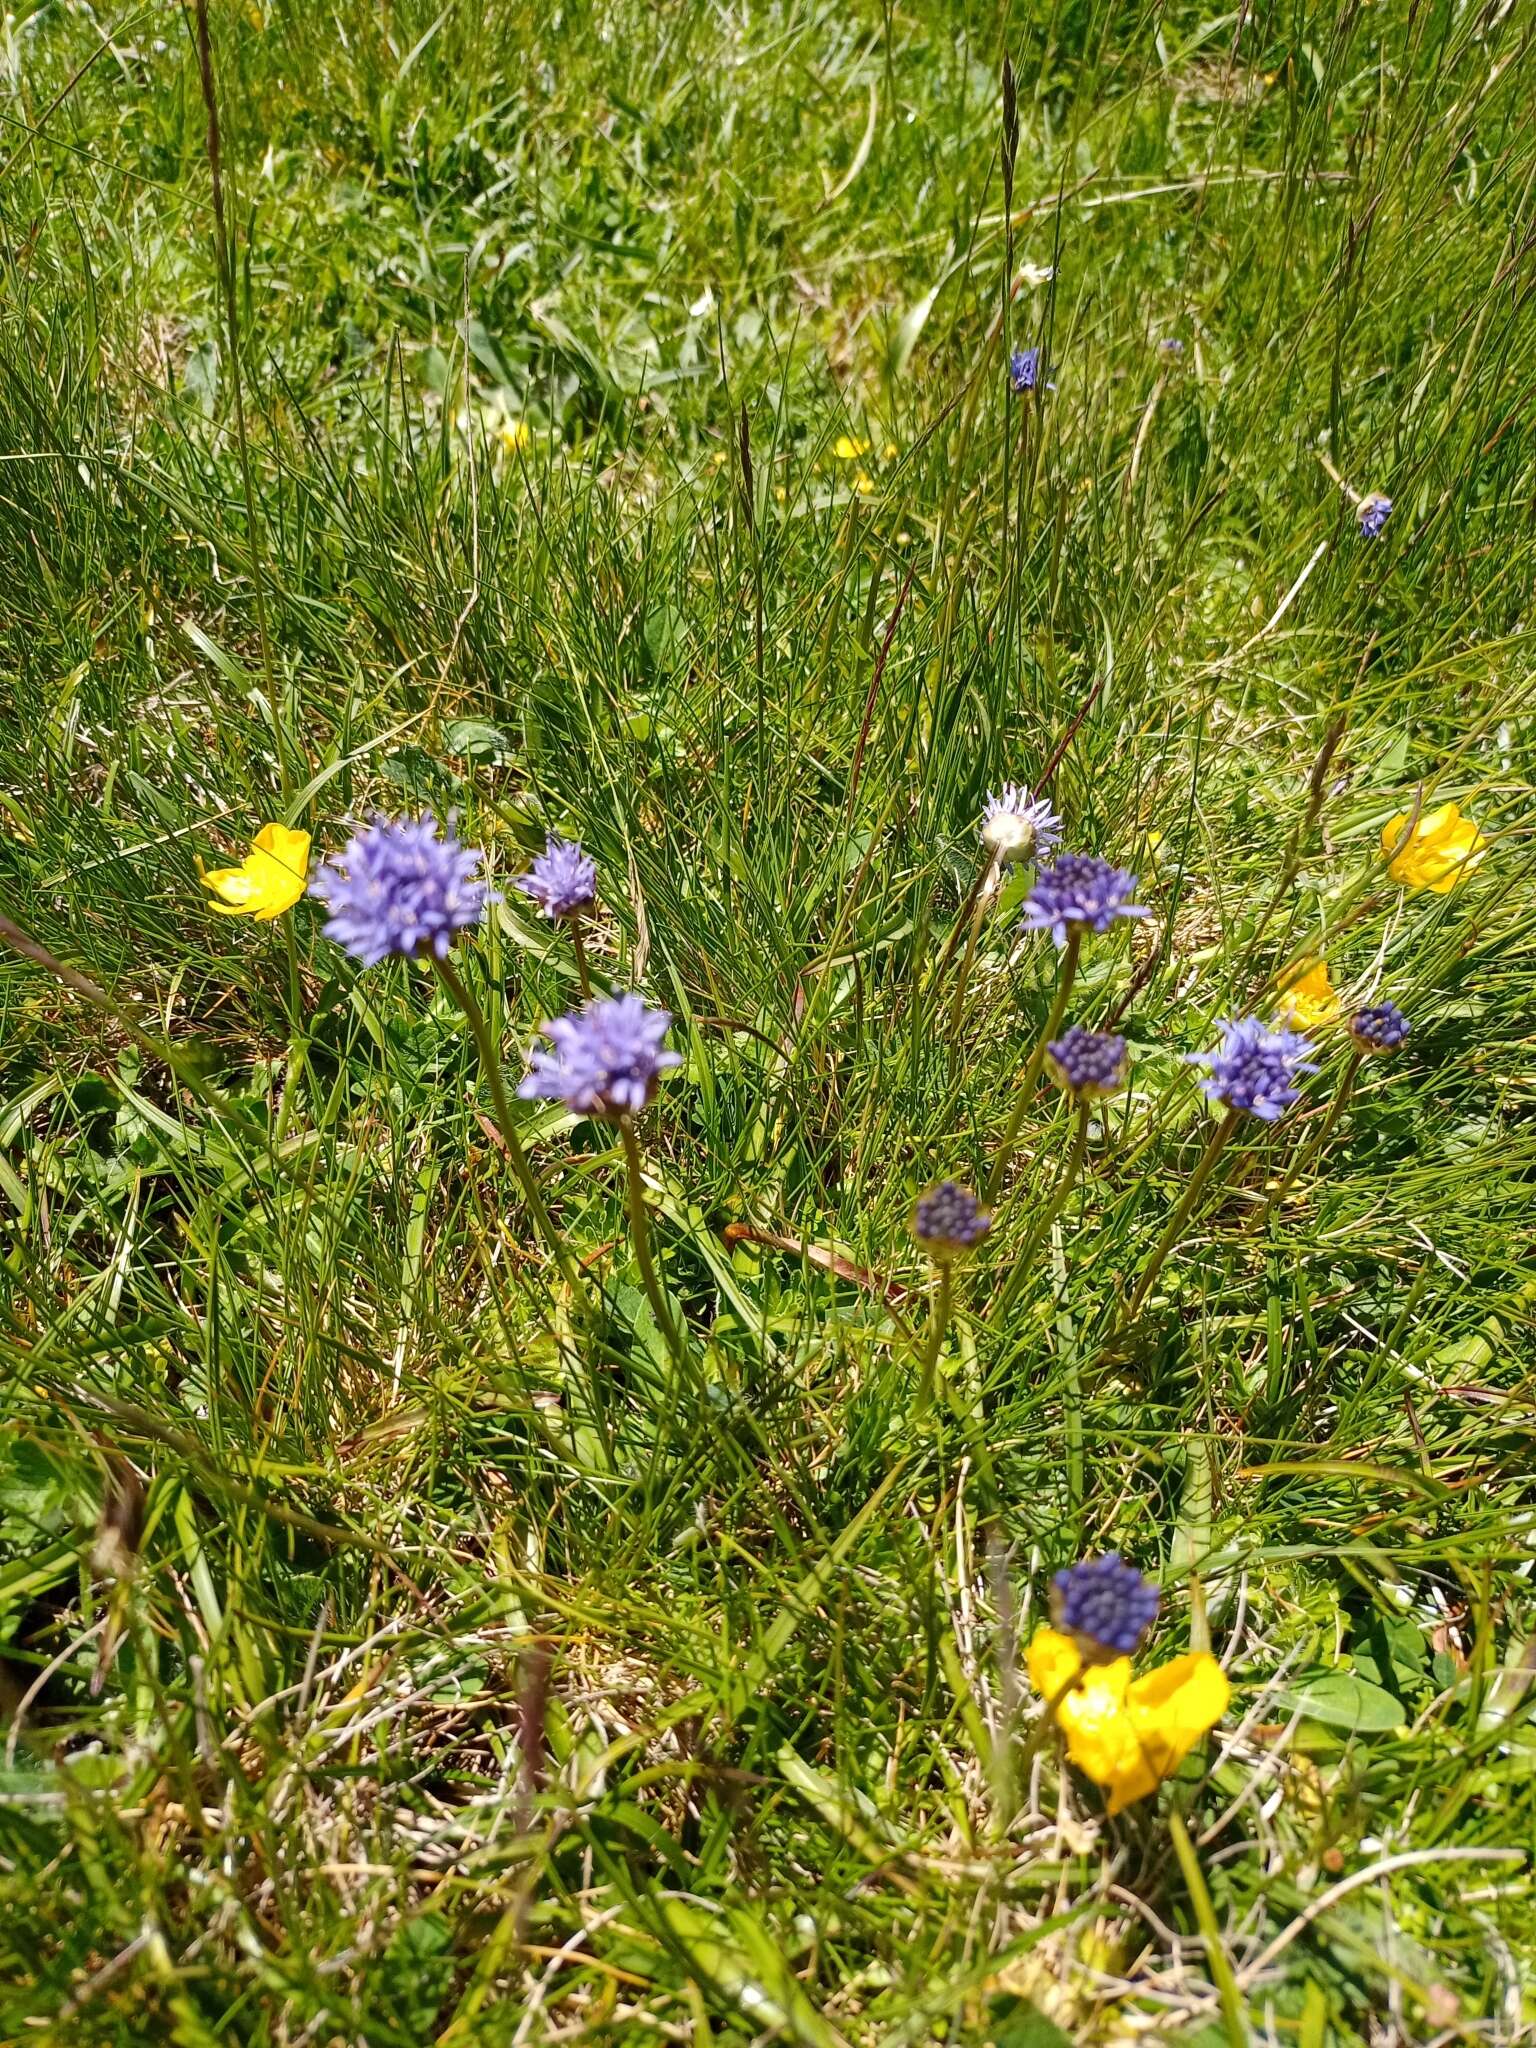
[396,1649]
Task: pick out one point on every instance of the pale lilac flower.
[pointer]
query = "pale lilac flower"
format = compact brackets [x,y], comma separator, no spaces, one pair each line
[1254,1069]
[607,1058]
[562,881]
[1374,512]
[1079,892]
[1016,826]
[399,887]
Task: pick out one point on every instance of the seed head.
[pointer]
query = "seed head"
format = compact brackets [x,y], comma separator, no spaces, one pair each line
[1382,1028]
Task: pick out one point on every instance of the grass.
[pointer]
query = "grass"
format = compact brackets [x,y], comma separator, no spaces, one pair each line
[402,1645]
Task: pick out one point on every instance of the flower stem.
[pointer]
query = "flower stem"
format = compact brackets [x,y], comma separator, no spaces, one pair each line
[1216,1956]
[640,1232]
[938,1323]
[977,907]
[1032,1071]
[583,972]
[1047,1217]
[490,1066]
[1181,1214]
[1306,1153]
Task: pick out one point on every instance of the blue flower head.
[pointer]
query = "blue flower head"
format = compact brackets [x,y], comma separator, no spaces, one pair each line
[1088,1064]
[1105,1604]
[401,886]
[1079,892]
[1016,826]
[1254,1069]
[1382,1028]
[1374,512]
[562,881]
[949,1220]
[607,1058]
[1024,369]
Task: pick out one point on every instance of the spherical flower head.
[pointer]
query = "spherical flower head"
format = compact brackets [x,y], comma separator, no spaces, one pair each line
[607,1058]
[1254,1069]
[1441,850]
[1374,512]
[1024,369]
[1016,826]
[1079,892]
[1105,1605]
[1089,1064]
[562,881]
[949,1220]
[401,886]
[1381,1028]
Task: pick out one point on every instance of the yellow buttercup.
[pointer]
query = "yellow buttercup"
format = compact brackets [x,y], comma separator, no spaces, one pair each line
[1125,1733]
[1308,999]
[270,879]
[1442,849]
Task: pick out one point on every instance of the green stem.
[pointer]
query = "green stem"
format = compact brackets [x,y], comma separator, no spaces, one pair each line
[1234,2024]
[943,1296]
[978,910]
[490,1066]
[578,947]
[1048,1215]
[640,1232]
[1181,1214]
[1305,1153]
[1032,1071]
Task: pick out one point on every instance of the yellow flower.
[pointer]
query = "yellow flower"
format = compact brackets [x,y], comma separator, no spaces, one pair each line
[847,449]
[863,484]
[1442,849]
[1308,999]
[1125,1733]
[270,879]
[515,434]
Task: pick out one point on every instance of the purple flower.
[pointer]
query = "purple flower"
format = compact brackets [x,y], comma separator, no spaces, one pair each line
[948,1220]
[1374,512]
[397,887]
[1016,826]
[1106,1604]
[607,1059]
[562,881]
[1254,1069]
[1024,369]
[1079,892]
[1170,345]
[1088,1064]
[1382,1028]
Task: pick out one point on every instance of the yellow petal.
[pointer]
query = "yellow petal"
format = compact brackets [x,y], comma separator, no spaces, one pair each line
[1442,850]
[1308,998]
[1101,1739]
[1168,1711]
[1052,1661]
[270,879]
[847,449]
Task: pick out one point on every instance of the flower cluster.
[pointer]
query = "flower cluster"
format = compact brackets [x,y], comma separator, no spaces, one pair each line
[401,887]
[949,1220]
[1016,826]
[1105,1605]
[1255,1068]
[562,881]
[1373,512]
[1079,892]
[1088,1064]
[607,1058]
[1024,369]
[1380,1028]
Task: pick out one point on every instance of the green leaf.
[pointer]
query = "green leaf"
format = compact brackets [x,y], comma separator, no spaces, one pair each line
[1341,1700]
[478,739]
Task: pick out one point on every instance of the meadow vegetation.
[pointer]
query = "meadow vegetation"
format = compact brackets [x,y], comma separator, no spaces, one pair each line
[420,1624]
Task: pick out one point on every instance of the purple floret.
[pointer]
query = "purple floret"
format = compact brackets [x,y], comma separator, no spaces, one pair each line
[1381,1028]
[1374,513]
[1079,892]
[1106,1604]
[607,1058]
[1024,369]
[1088,1064]
[400,887]
[949,1219]
[1255,1068]
[562,881]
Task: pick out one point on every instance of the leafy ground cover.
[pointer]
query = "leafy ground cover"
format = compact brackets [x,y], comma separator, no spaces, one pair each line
[603,424]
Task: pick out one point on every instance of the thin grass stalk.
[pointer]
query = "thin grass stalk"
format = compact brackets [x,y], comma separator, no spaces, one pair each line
[1026,1088]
